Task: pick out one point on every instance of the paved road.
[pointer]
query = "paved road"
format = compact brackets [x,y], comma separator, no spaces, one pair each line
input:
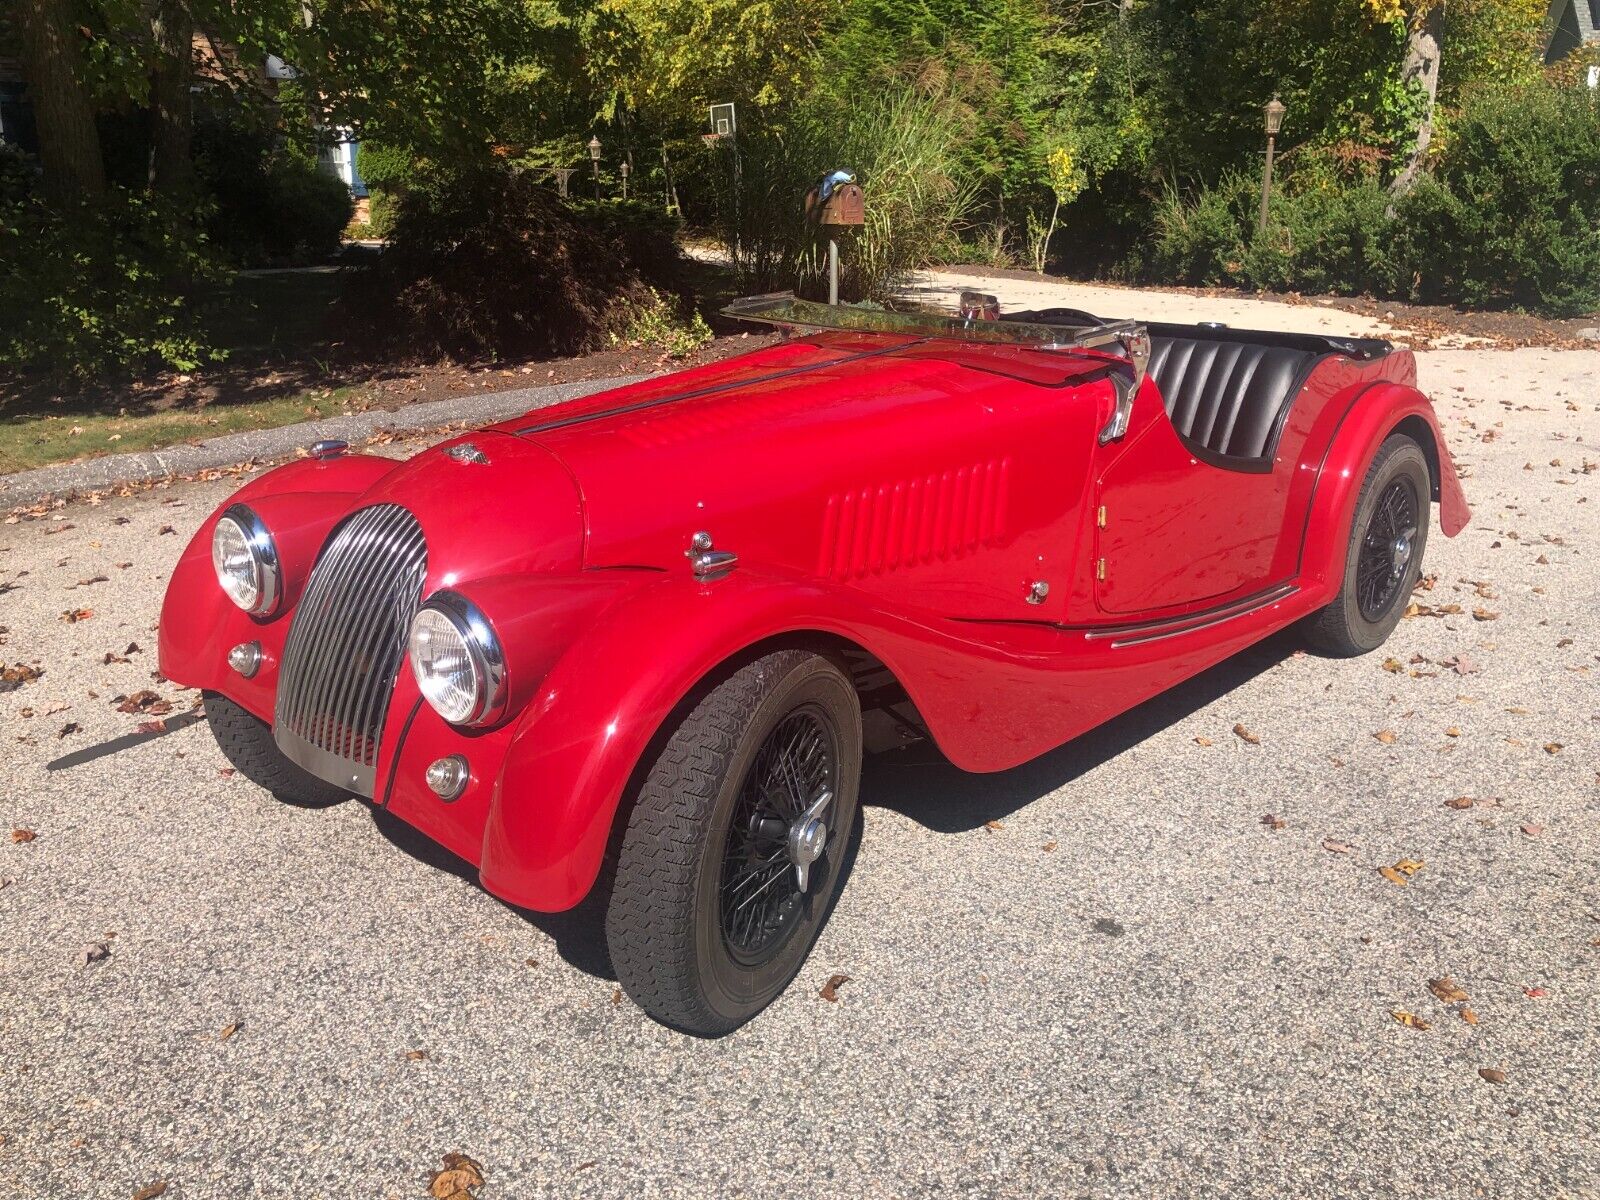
[1176,1000]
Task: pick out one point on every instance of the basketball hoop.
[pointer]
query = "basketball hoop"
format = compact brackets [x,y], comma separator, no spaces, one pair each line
[711,139]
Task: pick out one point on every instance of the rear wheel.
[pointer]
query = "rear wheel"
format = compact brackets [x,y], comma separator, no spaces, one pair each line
[1384,559]
[730,862]
[247,743]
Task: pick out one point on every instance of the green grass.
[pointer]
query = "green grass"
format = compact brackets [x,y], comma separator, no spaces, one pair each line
[41,440]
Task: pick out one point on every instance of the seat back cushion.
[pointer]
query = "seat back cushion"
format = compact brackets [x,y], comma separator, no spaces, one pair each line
[1226,396]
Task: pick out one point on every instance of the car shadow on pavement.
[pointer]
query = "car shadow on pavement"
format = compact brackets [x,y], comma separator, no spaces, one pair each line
[921,784]
[917,782]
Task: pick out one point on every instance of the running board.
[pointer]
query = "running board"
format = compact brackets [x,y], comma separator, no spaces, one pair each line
[1156,631]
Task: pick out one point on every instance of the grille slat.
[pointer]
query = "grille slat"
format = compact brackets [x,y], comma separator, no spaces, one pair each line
[347,643]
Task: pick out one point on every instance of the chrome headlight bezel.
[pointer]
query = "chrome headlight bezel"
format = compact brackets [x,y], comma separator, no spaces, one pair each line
[265,586]
[484,655]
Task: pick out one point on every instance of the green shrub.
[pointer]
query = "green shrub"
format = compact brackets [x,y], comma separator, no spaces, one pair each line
[1201,240]
[272,207]
[493,264]
[1512,216]
[903,144]
[658,322]
[90,290]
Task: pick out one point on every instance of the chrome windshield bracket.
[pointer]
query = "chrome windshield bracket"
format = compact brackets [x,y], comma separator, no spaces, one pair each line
[1126,381]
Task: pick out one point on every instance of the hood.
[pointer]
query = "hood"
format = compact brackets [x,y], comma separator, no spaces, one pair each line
[489,504]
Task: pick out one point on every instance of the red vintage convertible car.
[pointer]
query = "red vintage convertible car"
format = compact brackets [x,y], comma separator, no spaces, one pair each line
[658,627]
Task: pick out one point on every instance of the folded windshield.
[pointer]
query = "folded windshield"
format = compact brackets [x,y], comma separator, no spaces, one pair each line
[783,308]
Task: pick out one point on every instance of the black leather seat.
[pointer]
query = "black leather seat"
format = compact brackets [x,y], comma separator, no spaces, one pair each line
[1226,397]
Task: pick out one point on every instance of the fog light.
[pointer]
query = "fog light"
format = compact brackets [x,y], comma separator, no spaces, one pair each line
[245,658]
[448,777]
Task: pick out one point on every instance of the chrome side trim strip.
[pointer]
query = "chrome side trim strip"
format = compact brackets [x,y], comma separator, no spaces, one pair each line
[1193,622]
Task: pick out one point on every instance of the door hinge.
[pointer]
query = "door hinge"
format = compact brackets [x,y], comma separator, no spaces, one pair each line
[1099,568]
[1100,517]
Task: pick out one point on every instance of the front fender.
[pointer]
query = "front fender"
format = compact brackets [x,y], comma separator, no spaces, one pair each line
[300,502]
[597,710]
[1374,414]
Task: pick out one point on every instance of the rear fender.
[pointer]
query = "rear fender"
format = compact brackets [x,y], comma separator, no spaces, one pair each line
[1374,414]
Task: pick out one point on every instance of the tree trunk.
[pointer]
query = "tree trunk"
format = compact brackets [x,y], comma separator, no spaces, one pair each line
[52,64]
[1423,52]
[171,110]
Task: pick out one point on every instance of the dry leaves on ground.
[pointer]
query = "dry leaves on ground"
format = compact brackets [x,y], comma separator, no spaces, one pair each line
[460,1177]
[145,702]
[73,615]
[1402,871]
[151,1190]
[11,678]
[1410,1020]
[993,826]
[1447,990]
[1273,821]
[228,1030]
[1492,1074]
[94,952]
[1334,846]
[22,836]
[1244,735]
[1386,736]
[830,990]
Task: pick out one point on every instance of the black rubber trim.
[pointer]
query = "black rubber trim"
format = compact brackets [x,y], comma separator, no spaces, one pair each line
[399,747]
[656,401]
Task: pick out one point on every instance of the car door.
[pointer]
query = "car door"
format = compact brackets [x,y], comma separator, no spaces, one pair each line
[1175,528]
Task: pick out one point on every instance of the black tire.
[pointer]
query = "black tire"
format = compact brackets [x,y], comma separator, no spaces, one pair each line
[673,905]
[246,742]
[1373,595]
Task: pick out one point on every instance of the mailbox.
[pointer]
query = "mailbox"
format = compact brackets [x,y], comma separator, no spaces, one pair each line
[847,205]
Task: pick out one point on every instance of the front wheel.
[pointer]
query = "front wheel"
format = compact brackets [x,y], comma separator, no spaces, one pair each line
[246,741]
[731,858]
[1384,559]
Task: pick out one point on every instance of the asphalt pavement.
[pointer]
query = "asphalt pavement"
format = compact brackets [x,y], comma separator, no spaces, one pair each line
[1106,973]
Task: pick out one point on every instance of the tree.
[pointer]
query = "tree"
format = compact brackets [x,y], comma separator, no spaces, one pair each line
[1421,71]
[171,108]
[52,63]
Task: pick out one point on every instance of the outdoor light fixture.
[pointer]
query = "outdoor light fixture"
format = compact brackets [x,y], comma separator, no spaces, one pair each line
[1273,111]
[594,163]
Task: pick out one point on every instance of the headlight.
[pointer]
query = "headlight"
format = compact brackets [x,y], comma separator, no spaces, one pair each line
[246,561]
[457,660]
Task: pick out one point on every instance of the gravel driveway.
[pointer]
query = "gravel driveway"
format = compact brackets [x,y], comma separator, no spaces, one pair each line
[1133,984]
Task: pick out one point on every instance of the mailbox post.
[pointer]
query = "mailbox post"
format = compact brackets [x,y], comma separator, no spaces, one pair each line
[845,206]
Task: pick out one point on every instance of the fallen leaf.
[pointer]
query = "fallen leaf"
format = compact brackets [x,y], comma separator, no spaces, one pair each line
[416,1055]
[228,1030]
[1533,830]
[227,772]
[1202,741]
[93,952]
[1333,846]
[1410,1020]
[1483,614]
[993,826]
[1459,802]
[151,1190]
[1409,866]
[1047,847]
[69,728]
[90,582]
[1386,736]
[1244,735]
[11,678]
[616,998]
[1535,993]
[1447,990]
[1393,665]
[1462,665]
[1470,1017]
[1492,1074]
[22,836]
[1392,875]
[1453,731]
[74,615]
[1273,822]
[1552,747]
[830,990]
[165,529]
[144,702]
[460,1175]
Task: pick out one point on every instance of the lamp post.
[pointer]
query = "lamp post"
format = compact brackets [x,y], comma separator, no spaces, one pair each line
[594,163]
[1273,111]
[627,169]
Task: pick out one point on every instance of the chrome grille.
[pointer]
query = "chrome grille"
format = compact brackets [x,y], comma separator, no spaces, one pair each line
[346,645]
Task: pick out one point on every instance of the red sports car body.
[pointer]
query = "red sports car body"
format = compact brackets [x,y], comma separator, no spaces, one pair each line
[1001,537]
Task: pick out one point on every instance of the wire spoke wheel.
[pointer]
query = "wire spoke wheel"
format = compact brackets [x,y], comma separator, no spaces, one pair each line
[1387,548]
[782,808]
